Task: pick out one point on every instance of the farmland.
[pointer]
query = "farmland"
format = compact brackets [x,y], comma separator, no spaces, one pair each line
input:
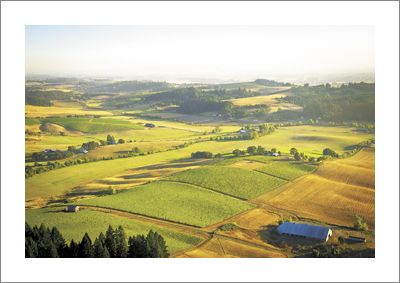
[330,195]
[287,170]
[225,205]
[65,179]
[231,181]
[92,125]
[174,201]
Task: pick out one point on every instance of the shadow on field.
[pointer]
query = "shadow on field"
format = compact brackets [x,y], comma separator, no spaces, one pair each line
[179,163]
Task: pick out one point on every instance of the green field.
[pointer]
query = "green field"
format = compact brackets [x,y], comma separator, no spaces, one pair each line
[306,139]
[74,226]
[173,201]
[92,125]
[236,182]
[287,170]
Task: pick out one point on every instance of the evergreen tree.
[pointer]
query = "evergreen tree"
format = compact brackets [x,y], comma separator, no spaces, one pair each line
[99,249]
[85,247]
[110,242]
[102,238]
[58,241]
[46,248]
[120,240]
[156,245]
[28,230]
[73,250]
[138,247]
[31,249]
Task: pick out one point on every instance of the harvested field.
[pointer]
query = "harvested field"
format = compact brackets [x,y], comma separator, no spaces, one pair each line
[220,247]
[328,196]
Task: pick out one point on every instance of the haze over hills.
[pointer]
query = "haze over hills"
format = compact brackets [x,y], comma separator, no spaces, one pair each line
[312,79]
[205,54]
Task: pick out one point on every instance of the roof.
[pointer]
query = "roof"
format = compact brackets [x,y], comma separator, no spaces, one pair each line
[306,230]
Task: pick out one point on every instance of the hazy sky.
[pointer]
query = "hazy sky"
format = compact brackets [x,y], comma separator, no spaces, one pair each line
[198,51]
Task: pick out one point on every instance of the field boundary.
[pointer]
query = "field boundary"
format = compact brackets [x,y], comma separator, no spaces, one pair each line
[205,188]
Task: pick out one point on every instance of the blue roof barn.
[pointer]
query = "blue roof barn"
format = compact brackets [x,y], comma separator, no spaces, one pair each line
[305,231]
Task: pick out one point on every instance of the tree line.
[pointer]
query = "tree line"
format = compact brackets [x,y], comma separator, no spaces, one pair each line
[49,243]
[351,102]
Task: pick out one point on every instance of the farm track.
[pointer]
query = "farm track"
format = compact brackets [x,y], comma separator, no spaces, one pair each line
[145,218]
[199,232]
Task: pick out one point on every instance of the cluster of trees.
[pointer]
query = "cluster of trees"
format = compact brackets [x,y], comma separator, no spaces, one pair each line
[351,102]
[45,242]
[43,98]
[50,155]
[330,152]
[249,133]
[270,82]
[195,100]
[336,251]
[129,86]
[38,168]
[255,150]
[201,154]
[298,156]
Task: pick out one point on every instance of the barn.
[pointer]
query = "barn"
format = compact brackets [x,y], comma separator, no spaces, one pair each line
[305,231]
[72,208]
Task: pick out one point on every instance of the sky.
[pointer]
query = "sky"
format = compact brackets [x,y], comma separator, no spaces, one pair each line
[219,52]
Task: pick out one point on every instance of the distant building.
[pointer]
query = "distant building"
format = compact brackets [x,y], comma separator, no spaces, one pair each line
[49,150]
[72,208]
[82,150]
[149,125]
[243,131]
[305,231]
[275,154]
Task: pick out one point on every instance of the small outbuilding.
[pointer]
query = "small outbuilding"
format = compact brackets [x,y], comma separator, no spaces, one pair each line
[355,239]
[275,154]
[149,125]
[305,231]
[72,208]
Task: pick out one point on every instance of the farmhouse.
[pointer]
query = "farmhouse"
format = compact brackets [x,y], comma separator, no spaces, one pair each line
[305,231]
[72,208]
[149,125]
[275,154]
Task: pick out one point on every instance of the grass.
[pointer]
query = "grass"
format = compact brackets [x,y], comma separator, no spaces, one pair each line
[236,182]
[44,111]
[74,225]
[93,125]
[288,170]
[173,201]
[31,121]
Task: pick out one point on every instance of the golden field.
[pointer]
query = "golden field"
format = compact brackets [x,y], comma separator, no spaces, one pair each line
[330,195]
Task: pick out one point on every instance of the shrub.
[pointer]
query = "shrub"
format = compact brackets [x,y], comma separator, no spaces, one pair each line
[360,224]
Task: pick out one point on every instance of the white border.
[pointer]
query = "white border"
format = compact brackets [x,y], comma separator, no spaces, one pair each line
[384,16]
